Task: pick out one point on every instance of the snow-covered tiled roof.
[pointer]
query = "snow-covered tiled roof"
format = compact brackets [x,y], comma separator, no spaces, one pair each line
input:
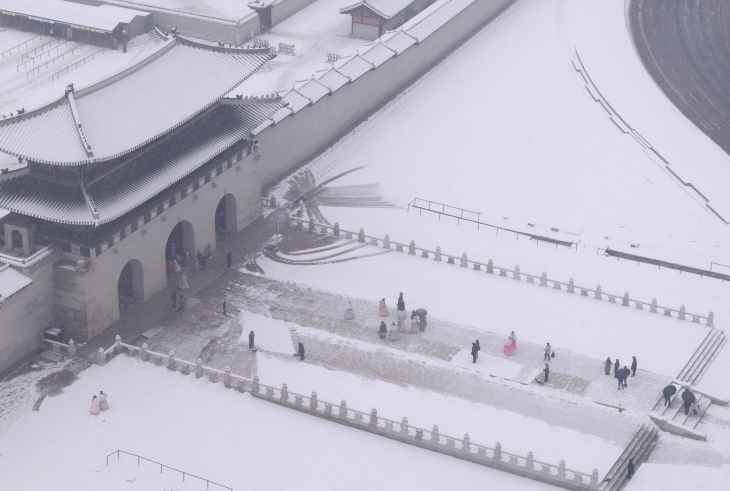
[377,53]
[173,83]
[132,185]
[11,282]
[387,9]
[103,17]
[353,67]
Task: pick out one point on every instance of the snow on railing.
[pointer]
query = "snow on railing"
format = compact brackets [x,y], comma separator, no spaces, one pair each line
[462,448]
[30,260]
[57,347]
[490,267]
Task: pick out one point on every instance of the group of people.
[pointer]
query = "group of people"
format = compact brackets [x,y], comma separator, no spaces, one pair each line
[689,400]
[620,374]
[99,403]
[418,319]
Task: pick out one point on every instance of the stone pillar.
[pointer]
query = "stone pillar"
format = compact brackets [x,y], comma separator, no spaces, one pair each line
[652,307]
[466,443]
[361,236]
[571,286]
[311,225]
[227,377]
[336,230]
[386,242]
[625,300]
[404,426]
[437,255]
[530,462]
[681,313]
[435,435]
[543,279]
[594,479]
[72,347]
[710,323]
[516,274]
[412,248]
[463,263]
[343,410]
[597,294]
[284,398]
[313,402]
[561,470]
[490,267]
[373,418]
[100,357]
[117,344]
[185,369]
[255,385]
[212,376]
[497,458]
[144,356]
[171,361]
[198,368]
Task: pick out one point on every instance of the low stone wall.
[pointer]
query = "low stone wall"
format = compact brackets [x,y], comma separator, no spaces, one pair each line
[597,293]
[461,448]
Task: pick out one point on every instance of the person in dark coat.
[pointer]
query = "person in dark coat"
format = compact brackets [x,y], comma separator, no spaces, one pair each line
[624,374]
[224,308]
[383,330]
[474,352]
[620,377]
[182,303]
[616,367]
[250,340]
[633,367]
[401,303]
[607,366]
[547,373]
[301,351]
[688,398]
[173,297]
[668,392]
[630,470]
[479,348]
[548,352]
[201,260]
[229,259]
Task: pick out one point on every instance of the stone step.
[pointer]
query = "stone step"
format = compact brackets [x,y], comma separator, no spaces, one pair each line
[637,452]
[719,345]
[614,473]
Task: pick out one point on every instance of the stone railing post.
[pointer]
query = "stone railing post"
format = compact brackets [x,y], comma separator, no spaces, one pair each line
[625,300]
[255,385]
[543,279]
[171,361]
[386,242]
[144,356]
[594,479]
[497,457]
[710,323]
[412,248]
[101,357]
[466,444]
[516,274]
[437,254]
[435,435]
[72,347]
[490,267]
[313,402]
[185,370]
[361,236]
[571,286]
[117,344]
[404,426]
[463,263]
[199,368]
[343,410]
[681,315]
[561,470]
[311,225]
[530,462]
[373,418]
[336,230]
[652,307]
[227,377]
[284,398]
[597,295]
[299,223]
[55,348]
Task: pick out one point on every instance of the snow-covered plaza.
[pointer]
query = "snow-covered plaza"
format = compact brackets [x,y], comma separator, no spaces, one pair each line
[534,181]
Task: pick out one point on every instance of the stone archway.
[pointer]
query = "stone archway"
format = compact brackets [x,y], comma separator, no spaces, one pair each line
[130,286]
[16,240]
[181,245]
[226,218]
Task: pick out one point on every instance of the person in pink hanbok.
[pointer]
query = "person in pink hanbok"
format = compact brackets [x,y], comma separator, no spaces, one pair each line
[95,405]
[511,344]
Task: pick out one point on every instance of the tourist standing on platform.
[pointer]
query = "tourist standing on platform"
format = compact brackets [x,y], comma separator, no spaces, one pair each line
[616,367]
[349,312]
[301,351]
[668,392]
[224,308]
[383,309]
[229,258]
[633,367]
[401,306]
[607,366]
[250,340]
[548,352]
[182,303]
[474,352]
[689,398]
[94,405]
[547,373]
[383,330]
[103,405]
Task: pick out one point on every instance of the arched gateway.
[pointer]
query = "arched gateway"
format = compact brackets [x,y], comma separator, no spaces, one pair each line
[130,286]
[226,218]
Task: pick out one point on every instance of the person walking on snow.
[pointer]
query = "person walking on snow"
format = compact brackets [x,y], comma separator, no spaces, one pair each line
[547,372]
[182,303]
[548,351]
[224,308]
[103,405]
[607,366]
[301,351]
[383,330]
[173,297]
[401,306]
[479,348]
[633,367]
[349,312]
[630,469]
[689,398]
[229,259]
[474,352]
[623,374]
[616,367]
[250,340]
[668,392]
[619,377]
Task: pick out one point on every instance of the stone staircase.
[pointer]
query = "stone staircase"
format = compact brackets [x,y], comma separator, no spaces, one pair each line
[638,449]
[671,418]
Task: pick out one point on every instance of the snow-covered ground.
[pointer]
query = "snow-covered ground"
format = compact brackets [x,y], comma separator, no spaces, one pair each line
[221,435]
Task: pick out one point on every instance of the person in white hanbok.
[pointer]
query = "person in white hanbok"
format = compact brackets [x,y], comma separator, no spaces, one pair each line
[103,405]
[94,405]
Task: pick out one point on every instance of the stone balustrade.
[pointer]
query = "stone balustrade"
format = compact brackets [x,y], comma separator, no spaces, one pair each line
[516,273]
[62,348]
